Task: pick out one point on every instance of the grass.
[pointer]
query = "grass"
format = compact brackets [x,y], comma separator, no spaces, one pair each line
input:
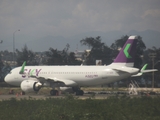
[70,108]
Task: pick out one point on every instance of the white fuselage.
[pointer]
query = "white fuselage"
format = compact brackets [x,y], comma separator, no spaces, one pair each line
[82,75]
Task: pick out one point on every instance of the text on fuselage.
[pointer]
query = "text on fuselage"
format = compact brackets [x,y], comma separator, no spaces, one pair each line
[91,76]
[30,72]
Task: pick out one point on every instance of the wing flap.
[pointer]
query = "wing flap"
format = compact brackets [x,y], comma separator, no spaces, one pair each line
[55,80]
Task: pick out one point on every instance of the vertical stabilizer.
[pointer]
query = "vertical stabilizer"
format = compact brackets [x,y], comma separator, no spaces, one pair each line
[126,55]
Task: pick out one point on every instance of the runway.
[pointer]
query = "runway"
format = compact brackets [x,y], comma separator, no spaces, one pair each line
[38,97]
[87,95]
[43,97]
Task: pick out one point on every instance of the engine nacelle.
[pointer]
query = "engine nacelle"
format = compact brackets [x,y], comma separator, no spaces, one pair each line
[30,86]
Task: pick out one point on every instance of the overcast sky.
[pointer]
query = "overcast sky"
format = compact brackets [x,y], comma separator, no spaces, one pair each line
[39,18]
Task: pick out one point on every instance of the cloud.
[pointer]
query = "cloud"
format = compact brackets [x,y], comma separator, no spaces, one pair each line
[40,18]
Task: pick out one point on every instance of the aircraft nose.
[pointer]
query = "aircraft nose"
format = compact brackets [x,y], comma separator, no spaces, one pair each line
[7,79]
[10,79]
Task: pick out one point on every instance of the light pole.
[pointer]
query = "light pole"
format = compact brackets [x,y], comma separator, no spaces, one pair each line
[1,43]
[152,56]
[14,44]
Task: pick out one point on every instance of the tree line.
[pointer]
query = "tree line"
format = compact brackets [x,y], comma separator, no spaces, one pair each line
[98,51]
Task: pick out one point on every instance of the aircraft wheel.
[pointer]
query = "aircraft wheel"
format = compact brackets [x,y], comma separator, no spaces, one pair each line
[79,92]
[54,92]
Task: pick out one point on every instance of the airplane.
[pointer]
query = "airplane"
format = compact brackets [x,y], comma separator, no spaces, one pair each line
[33,78]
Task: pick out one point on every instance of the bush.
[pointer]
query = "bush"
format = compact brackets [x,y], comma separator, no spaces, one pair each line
[70,108]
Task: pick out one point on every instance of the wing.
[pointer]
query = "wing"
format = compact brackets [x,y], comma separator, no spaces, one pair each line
[54,80]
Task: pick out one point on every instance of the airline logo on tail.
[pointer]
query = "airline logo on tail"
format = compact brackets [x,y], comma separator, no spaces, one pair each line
[126,51]
[126,55]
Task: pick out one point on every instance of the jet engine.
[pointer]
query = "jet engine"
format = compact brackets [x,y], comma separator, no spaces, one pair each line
[30,86]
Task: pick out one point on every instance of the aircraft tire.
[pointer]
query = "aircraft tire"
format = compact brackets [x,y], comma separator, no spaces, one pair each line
[54,92]
[79,92]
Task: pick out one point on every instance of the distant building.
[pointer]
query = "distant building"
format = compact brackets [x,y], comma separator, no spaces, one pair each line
[98,62]
[79,55]
[82,55]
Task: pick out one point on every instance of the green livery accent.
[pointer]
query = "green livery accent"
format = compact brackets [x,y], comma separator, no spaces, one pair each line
[32,72]
[126,51]
[22,69]
[144,67]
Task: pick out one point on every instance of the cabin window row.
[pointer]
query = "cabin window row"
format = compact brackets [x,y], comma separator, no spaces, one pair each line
[68,72]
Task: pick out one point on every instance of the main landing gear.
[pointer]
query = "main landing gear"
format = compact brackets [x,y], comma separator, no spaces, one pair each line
[79,92]
[76,90]
[54,92]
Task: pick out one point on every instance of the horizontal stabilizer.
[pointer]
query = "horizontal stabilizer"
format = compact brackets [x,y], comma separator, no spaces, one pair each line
[144,71]
[151,70]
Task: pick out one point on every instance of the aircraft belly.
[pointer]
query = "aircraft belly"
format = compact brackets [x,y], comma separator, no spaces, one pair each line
[88,82]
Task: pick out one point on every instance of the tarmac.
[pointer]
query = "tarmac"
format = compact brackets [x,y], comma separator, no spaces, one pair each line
[87,95]
[91,95]
[43,97]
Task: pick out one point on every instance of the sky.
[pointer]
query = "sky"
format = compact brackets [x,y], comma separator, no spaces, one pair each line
[39,18]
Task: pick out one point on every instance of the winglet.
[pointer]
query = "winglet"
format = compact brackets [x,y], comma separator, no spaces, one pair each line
[22,68]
